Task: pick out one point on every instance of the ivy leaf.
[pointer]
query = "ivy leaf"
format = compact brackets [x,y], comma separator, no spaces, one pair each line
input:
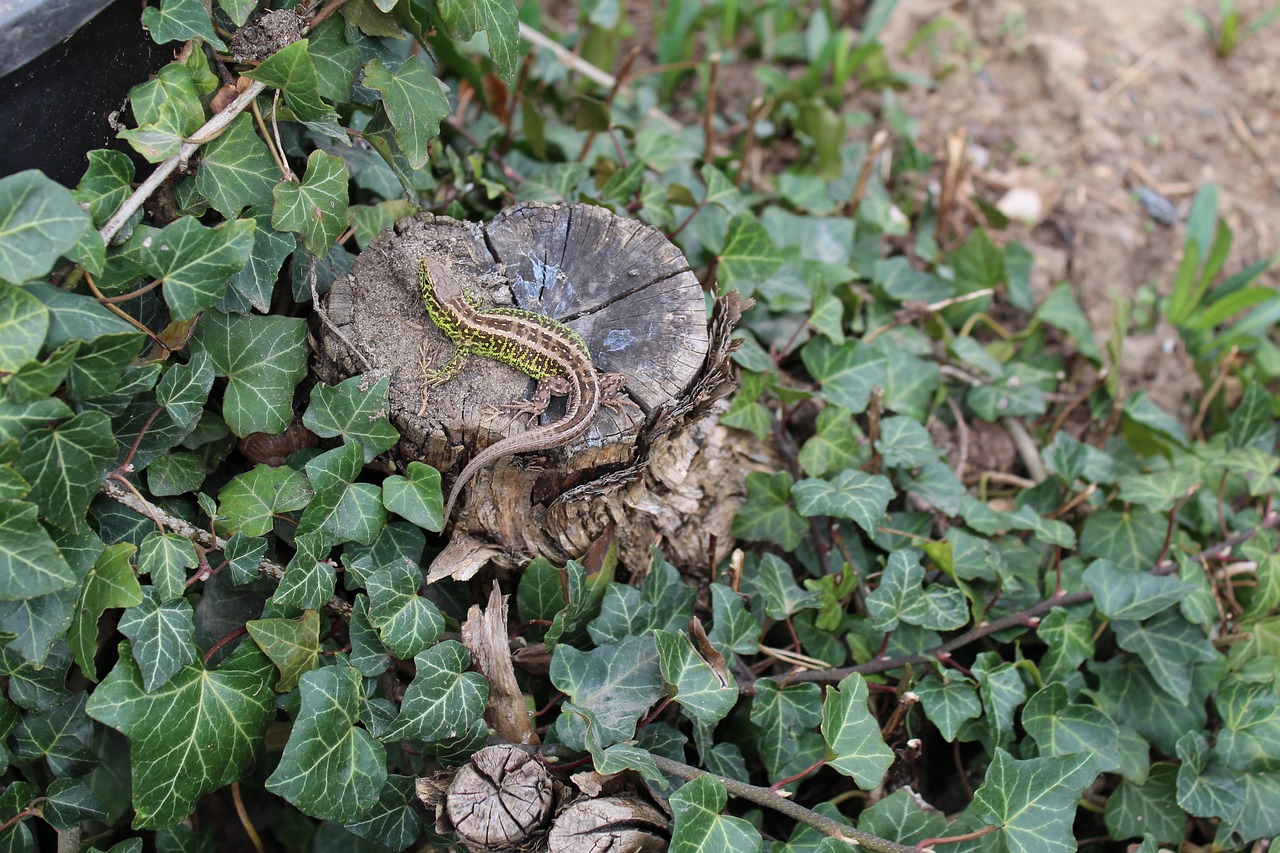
[1159,491]
[106,183]
[194,261]
[899,596]
[905,443]
[317,207]
[1252,422]
[24,322]
[184,388]
[39,222]
[848,373]
[368,654]
[163,637]
[345,510]
[331,769]
[168,110]
[1033,802]
[853,734]
[1168,645]
[309,579]
[1149,807]
[1206,789]
[393,823]
[69,802]
[166,558]
[749,256]
[618,682]
[37,623]
[66,464]
[497,18]
[704,687]
[263,359]
[899,817]
[406,622]
[767,515]
[61,734]
[202,731]
[1132,596]
[110,583]
[415,102]
[292,71]
[244,557]
[337,62]
[250,502]
[30,564]
[733,627]
[16,797]
[948,703]
[293,645]
[355,411]
[98,367]
[860,497]
[236,169]
[774,588]
[416,496]
[1062,727]
[834,445]
[783,714]
[255,282]
[180,20]
[443,699]
[698,825]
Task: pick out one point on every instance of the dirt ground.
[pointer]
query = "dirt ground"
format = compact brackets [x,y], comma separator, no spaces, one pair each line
[1087,100]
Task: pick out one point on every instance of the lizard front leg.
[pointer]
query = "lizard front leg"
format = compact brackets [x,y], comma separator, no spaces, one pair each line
[437,376]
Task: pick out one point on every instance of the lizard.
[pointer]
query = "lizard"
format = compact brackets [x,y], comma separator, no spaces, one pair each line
[537,345]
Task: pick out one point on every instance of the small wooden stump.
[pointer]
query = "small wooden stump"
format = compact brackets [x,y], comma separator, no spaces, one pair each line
[618,282]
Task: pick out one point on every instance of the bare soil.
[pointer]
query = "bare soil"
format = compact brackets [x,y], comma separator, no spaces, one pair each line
[1085,101]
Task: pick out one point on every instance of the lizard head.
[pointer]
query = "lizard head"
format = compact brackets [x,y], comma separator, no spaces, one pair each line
[439,278]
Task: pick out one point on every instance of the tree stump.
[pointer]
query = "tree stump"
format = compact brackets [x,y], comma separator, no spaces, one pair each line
[631,296]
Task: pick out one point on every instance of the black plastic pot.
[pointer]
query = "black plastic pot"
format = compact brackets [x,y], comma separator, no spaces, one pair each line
[65,66]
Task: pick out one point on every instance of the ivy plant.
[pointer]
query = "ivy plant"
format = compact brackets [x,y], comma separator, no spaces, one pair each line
[914,646]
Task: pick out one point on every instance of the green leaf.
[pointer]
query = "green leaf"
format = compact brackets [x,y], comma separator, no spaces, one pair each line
[74,316]
[292,71]
[110,583]
[66,464]
[24,322]
[166,558]
[443,698]
[37,623]
[392,822]
[263,359]
[331,769]
[194,261]
[1205,789]
[1159,491]
[180,20]
[162,634]
[848,373]
[834,444]
[853,735]
[1250,734]
[1063,311]
[1132,595]
[236,169]
[783,714]
[773,587]
[706,691]
[61,734]
[767,516]
[336,61]
[948,703]
[1062,727]
[106,183]
[698,825]
[309,579]
[354,410]
[202,731]
[1073,460]
[1149,807]
[899,817]
[860,497]
[1131,540]
[168,110]
[30,563]
[1252,421]
[99,366]
[1168,645]
[617,683]
[416,496]
[244,557]
[733,628]
[293,645]
[39,221]
[1130,695]
[905,443]
[1033,802]
[749,256]
[900,597]
[407,623]
[317,207]
[497,18]
[69,802]
[415,102]
[15,799]
[250,502]
[184,388]
[368,654]
[1002,691]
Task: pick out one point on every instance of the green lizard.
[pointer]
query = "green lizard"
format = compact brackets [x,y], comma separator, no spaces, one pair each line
[535,344]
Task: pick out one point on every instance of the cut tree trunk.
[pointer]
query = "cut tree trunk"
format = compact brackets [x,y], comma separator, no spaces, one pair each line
[655,465]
